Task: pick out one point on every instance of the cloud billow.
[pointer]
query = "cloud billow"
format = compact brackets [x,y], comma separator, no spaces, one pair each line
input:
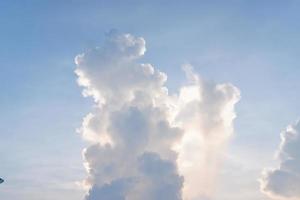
[284,181]
[140,135]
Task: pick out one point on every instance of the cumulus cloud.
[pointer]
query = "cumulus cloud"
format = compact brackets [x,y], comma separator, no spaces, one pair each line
[284,181]
[206,114]
[131,155]
[145,143]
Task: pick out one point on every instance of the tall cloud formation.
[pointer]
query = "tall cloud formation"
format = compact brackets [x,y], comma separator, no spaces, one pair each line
[145,143]
[206,114]
[284,181]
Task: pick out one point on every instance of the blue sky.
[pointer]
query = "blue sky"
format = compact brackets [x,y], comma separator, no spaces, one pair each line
[252,44]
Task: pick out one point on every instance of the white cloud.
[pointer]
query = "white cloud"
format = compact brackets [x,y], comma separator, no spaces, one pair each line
[206,114]
[284,181]
[129,127]
[146,144]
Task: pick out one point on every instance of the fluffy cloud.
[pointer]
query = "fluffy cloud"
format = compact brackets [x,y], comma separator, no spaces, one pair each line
[145,143]
[284,181]
[131,155]
[206,114]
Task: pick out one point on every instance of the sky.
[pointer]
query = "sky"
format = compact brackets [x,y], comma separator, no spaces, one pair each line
[251,45]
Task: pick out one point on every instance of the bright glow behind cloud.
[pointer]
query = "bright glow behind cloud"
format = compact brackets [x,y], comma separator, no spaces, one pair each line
[146,144]
[206,113]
